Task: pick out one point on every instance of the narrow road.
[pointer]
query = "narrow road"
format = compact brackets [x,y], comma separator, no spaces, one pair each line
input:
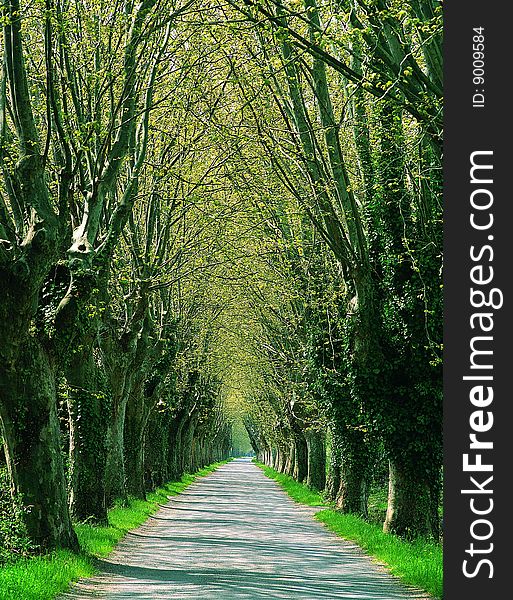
[236,534]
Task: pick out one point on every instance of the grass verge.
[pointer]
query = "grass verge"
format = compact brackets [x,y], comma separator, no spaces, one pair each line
[43,577]
[297,491]
[418,563]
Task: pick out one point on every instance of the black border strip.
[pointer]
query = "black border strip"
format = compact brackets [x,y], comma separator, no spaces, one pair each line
[470,127]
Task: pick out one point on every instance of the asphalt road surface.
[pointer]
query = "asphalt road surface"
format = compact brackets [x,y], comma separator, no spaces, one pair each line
[235,534]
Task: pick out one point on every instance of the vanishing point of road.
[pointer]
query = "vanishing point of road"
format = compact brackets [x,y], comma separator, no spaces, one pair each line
[235,534]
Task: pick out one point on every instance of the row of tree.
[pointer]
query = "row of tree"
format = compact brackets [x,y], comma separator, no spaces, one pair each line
[105,388]
[218,204]
[342,163]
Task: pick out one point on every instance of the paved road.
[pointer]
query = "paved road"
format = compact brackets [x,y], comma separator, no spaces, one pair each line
[236,534]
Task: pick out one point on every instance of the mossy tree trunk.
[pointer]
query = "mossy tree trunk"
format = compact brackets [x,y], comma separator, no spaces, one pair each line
[334,464]
[87,428]
[30,428]
[353,492]
[175,444]
[410,283]
[124,358]
[115,479]
[316,444]
[412,506]
[136,421]
[300,472]
[156,450]
[29,247]
[187,444]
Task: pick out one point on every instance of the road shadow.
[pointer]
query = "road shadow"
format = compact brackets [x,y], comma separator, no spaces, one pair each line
[251,541]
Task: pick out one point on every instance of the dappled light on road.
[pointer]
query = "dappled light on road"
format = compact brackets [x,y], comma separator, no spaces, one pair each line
[235,534]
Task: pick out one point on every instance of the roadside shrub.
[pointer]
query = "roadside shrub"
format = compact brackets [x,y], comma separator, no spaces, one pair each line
[14,541]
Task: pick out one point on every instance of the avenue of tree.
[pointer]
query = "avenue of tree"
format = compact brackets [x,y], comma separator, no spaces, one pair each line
[212,213]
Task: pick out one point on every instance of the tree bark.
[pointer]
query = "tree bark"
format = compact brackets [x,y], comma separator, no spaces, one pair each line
[87,440]
[187,443]
[30,428]
[353,492]
[334,465]
[122,362]
[277,459]
[156,450]
[333,482]
[412,506]
[300,471]
[136,421]
[316,445]
[291,458]
[115,483]
[175,446]
[283,457]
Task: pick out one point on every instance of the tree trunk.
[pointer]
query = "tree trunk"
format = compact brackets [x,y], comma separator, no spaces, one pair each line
[30,428]
[333,482]
[156,451]
[277,459]
[412,509]
[316,445]
[194,455]
[115,484]
[353,492]
[283,456]
[87,440]
[334,466]
[123,363]
[208,453]
[291,459]
[161,446]
[300,471]
[187,444]
[175,446]
[136,421]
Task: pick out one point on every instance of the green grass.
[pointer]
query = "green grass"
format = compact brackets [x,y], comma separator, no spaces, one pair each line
[418,563]
[43,577]
[377,506]
[297,491]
